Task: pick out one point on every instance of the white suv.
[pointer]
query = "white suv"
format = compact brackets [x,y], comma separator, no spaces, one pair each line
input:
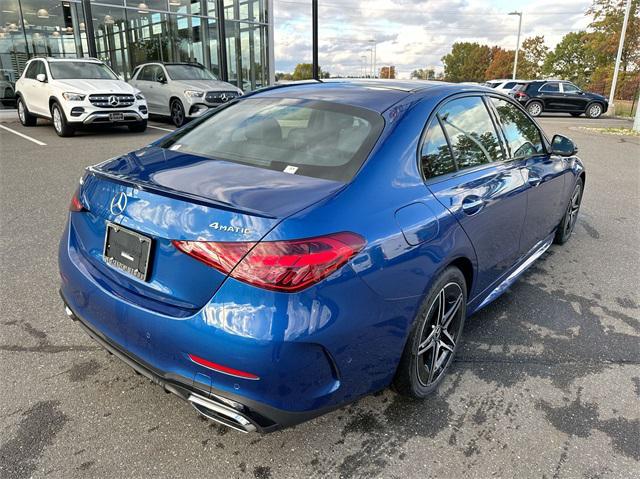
[77,92]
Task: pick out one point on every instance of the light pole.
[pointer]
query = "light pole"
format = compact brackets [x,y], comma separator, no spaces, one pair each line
[363,66]
[314,35]
[618,58]
[373,63]
[370,65]
[515,62]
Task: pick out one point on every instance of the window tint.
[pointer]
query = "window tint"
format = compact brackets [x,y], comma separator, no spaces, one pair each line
[310,138]
[436,156]
[32,70]
[522,135]
[551,87]
[471,132]
[570,88]
[146,74]
[189,72]
[509,85]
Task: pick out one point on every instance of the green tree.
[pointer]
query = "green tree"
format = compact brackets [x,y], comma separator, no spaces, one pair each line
[572,59]
[467,62]
[424,74]
[532,57]
[304,71]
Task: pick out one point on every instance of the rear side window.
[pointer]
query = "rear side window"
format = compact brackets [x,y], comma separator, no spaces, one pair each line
[551,87]
[471,132]
[509,85]
[522,135]
[311,138]
[435,157]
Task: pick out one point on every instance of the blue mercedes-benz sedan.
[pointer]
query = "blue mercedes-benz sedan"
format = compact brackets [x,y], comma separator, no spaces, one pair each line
[309,244]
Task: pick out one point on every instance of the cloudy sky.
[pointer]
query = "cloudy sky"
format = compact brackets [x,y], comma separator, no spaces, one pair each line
[412,34]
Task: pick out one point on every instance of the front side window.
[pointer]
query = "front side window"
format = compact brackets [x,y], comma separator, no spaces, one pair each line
[305,137]
[471,132]
[435,156]
[570,88]
[145,74]
[189,72]
[522,135]
[32,71]
[70,70]
[551,87]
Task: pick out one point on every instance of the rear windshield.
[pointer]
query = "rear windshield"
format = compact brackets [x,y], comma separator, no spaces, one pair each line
[81,70]
[303,137]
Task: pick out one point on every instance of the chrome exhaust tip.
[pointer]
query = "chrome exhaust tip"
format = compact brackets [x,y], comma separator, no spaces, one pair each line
[221,414]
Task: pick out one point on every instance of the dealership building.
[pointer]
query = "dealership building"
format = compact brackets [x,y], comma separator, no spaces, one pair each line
[232,38]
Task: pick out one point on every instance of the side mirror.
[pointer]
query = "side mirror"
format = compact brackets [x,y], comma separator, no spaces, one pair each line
[563,146]
[162,79]
[41,77]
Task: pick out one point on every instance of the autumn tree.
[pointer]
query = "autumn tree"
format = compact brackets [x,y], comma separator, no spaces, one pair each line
[606,27]
[467,62]
[501,65]
[388,72]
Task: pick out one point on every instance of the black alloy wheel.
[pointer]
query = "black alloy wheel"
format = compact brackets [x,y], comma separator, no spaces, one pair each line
[433,342]
[570,218]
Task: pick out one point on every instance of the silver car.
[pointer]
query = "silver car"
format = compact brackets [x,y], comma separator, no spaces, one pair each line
[181,90]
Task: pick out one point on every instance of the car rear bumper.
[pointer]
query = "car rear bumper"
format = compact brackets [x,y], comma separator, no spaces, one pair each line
[230,410]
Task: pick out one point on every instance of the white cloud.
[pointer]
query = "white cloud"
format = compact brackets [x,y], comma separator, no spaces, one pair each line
[412,34]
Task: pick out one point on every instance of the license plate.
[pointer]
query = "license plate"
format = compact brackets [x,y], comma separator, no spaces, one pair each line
[127,250]
[116,116]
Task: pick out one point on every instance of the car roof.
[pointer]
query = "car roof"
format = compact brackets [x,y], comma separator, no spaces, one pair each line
[55,59]
[373,94]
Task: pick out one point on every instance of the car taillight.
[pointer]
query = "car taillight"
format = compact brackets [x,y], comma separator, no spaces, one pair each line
[286,266]
[76,204]
[520,95]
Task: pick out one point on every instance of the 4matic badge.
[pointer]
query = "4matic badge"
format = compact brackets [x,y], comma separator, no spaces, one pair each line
[234,229]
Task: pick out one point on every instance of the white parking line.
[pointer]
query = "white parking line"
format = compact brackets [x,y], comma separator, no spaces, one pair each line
[158,128]
[37,142]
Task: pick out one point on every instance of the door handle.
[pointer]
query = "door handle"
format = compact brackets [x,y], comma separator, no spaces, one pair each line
[534,179]
[472,204]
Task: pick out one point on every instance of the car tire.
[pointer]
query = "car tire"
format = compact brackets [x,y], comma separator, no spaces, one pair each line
[434,337]
[178,116]
[594,110]
[138,127]
[26,118]
[60,124]
[570,218]
[535,108]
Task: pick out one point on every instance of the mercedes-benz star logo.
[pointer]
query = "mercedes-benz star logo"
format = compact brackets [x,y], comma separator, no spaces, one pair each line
[113,100]
[118,203]
[224,97]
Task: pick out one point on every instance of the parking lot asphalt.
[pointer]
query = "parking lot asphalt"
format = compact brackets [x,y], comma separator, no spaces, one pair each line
[547,382]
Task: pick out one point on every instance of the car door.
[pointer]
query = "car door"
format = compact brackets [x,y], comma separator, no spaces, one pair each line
[551,96]
[40,92]
[464,165]
[544,173]
[27,84]
[145,81]
[574,98]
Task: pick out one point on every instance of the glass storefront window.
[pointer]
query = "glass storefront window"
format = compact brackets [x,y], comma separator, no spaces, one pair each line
[110,30]
[53,27]
[130,32]
[13,51]
[246,54]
